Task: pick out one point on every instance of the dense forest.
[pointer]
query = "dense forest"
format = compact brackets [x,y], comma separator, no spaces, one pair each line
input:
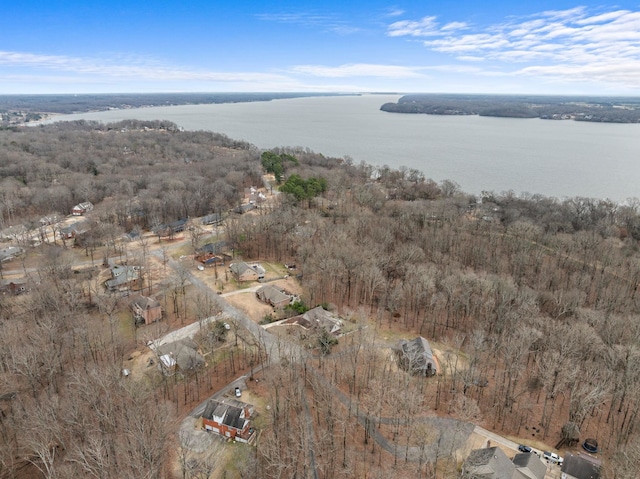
[538,297]
[597,109]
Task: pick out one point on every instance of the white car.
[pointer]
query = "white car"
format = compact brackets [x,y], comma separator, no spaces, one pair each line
[238,392]
[552,457]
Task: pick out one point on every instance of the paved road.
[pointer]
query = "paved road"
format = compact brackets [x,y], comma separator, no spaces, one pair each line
[274,347]
[452,433]
[253,289]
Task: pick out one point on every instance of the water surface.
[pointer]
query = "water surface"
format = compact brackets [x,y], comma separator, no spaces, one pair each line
[553,158]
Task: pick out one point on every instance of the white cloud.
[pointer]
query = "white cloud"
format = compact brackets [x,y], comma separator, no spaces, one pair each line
[425,27]
[576,44]
[395,12]
[359,70]
[312,19]
[128,69]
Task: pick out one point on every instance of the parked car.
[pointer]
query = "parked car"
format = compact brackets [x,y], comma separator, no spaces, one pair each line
[238,392]
[525,449]
[552,457]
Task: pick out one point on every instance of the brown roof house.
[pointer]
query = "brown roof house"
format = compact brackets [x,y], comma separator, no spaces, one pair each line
[229,418]
[274,296]
[415,355]
[316,318]
[146,310]
[243,272]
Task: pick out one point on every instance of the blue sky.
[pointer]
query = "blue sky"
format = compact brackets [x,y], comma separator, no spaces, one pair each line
[463,46]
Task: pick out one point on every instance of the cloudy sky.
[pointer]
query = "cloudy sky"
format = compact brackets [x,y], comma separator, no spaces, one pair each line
[462,46]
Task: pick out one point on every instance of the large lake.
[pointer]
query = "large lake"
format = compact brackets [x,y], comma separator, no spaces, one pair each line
[553,158]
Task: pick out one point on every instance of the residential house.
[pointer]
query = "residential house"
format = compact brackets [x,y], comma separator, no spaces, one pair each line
[13,233]
[243,272]
[73,230]
[48,220]
[274,296]
[493,463]
[179,225]
[245,208]
[209,259]
[125,278]
[529,466]
[146,310]
[416,356]
[230,419]
[181,355]
[168,230]
[213,219]
[10,252]
[81,208]
[581,466]
[317,318]
[488,463]
[211,254]
[214,248]
[131,236]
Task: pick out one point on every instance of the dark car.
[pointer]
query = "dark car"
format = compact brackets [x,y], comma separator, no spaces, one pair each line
[525,449]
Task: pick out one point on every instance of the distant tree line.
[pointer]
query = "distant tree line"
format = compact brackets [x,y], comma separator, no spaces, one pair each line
[596,109]
[96,102]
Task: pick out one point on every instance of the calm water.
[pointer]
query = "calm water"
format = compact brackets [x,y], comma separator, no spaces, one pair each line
[554,158]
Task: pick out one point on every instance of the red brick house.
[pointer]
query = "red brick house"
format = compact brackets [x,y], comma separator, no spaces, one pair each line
[146,310]
[229,419]
[81,208]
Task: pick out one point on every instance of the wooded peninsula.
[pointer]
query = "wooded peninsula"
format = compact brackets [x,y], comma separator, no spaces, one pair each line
[179,304]
[596,109]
